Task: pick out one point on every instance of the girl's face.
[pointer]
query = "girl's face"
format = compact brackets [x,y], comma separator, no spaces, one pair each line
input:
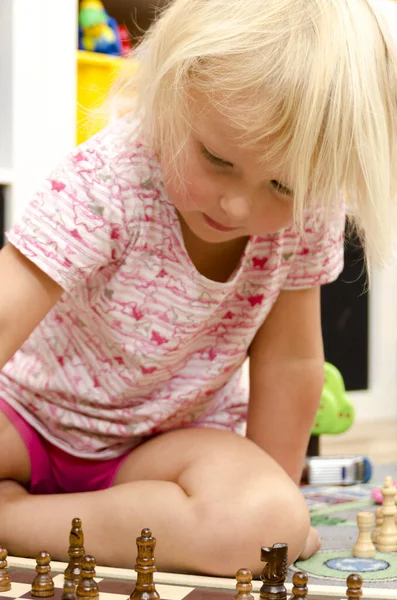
[227,192]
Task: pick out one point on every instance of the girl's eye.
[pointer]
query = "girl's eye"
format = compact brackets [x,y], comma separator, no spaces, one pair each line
[215,160]
[281,189]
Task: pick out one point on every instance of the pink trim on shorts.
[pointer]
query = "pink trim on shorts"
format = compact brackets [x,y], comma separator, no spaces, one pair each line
[54,471]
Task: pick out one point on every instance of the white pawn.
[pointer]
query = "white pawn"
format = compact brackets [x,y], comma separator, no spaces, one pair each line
[364,547]
[378,523]
[387,538]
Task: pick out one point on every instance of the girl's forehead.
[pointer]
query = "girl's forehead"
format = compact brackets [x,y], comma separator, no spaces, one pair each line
[213,123]
[210,115]
[213,128]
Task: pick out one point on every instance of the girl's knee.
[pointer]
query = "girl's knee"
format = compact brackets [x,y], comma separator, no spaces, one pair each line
[235,527]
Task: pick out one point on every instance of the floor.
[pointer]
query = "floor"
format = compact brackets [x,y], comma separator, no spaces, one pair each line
[377,440]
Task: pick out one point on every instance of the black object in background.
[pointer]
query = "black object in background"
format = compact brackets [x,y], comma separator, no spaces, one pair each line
[345,319]
[136,15]
[2,215]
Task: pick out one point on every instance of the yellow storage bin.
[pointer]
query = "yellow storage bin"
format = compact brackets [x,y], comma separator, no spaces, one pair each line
[95,75]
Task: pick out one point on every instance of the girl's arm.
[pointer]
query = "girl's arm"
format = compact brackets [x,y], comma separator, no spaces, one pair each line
[286,378]
[26,296]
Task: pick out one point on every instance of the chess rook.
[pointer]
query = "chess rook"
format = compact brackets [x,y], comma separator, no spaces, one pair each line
[243,585]
[75,552]
[364,547]
[42,584]
[87,587]
[145,567]
[5,579]
[378,524]
[274,573]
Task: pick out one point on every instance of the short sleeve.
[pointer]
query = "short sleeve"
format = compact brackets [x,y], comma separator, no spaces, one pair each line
[319,254]
[76,223]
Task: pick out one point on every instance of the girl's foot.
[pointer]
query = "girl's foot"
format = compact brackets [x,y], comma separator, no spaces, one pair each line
[312,545]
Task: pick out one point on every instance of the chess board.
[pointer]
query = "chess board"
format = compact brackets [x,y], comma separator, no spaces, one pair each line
[117,584]
[333,512]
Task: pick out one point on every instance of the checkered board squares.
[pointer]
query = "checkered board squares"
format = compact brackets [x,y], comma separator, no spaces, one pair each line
[110,589]
[117,584]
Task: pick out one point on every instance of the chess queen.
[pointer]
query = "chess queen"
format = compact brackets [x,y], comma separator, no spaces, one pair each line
[190,235]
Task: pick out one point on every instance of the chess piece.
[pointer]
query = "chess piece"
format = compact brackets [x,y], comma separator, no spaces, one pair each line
[87,587]
[364,547]
[387,538]
[299,589]
[42,584]
[5,579]
[76,552]
[69,590]
[274,573]
[354,590]
[145,568]
[244,585]
[378,524]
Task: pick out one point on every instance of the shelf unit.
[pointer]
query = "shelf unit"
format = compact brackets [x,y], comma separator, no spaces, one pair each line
[38,43]
[38,91]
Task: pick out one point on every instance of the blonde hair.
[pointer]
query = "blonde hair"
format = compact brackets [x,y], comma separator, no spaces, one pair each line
[313,81]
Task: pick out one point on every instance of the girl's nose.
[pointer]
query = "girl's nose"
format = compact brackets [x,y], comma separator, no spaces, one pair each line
[237,207]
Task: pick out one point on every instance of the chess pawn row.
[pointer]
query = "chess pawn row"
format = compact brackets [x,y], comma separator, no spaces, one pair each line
[5,579]
[76,552]
[390,529]
[387,536]
[378,524]
[85,587]
[243,585]
[42,584]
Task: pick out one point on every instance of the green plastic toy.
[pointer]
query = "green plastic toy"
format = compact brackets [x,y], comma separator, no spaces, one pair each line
[336,412]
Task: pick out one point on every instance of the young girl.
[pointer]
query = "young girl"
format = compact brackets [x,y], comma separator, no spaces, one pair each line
[193,232]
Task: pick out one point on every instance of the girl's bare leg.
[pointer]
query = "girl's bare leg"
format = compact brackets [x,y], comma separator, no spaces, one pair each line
[211,498]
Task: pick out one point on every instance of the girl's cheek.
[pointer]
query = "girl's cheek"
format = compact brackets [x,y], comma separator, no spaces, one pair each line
[270,217]
[183,195]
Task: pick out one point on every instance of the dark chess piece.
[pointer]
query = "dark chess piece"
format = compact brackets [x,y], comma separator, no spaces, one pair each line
[87,587]
[5,579]
[244,585]
[299,582]
[274,573]
[69,590]
[354,586]
[145,568]
[76,552]
[42,584]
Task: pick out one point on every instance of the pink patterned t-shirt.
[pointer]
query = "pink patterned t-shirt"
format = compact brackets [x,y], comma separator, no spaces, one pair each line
[140,342]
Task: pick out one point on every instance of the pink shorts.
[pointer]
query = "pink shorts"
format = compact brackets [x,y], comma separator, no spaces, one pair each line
[54,471]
